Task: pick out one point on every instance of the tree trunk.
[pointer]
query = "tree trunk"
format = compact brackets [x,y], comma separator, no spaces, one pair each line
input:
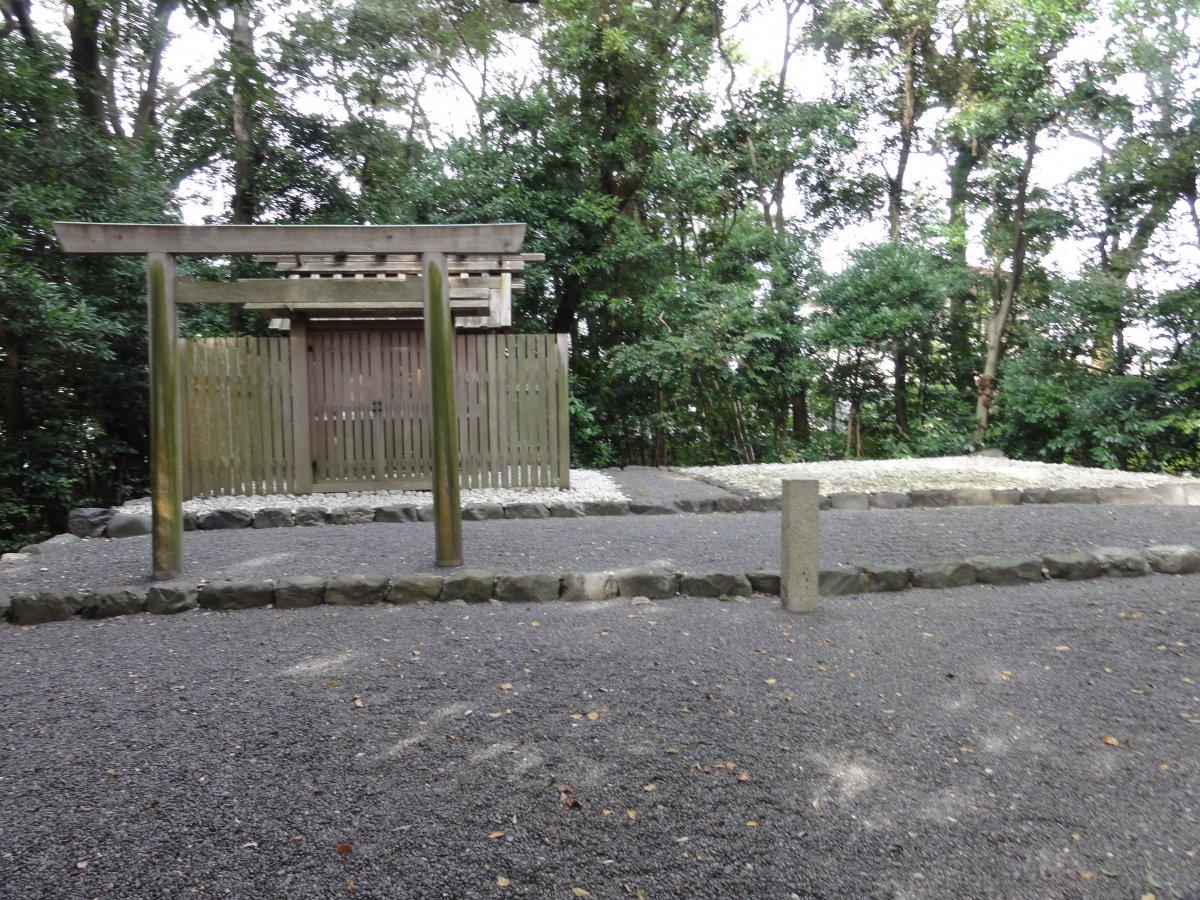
[900,376]
[83,24]
[156,43]
[241,51]
[959,338]
[801,430]
[908,114]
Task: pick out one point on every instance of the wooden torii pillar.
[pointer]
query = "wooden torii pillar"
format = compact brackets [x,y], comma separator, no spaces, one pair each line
[160,244]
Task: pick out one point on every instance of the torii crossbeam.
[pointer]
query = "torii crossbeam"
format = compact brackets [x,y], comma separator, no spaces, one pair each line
[162,243]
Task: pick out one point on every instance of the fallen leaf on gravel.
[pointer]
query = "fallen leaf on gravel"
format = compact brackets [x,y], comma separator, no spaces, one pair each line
[606,812]
[506,686]
[671,751]
[82,864]
[501,881]
[632,813]
[331,682]
[343,849]
[648,788]
[768,681]
[751,824]
[1110,740]
[743,776]
[495,835]
[580,892]
[350,883]
[1086,876]
[358,702]
[593,716]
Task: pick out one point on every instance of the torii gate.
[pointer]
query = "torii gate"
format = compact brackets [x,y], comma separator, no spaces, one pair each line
[162,243]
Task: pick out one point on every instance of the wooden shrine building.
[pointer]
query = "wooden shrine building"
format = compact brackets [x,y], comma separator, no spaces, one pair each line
[393,366]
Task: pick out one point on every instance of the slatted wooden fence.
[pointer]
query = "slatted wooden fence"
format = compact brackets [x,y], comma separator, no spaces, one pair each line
[368,411]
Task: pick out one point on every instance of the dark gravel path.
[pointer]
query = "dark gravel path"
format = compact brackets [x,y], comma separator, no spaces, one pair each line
[732,542]
[947,744]
[645,484]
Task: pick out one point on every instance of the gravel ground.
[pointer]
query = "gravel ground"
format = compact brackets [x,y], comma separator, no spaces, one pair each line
[731,542]
[585,485]
[1013,742]
[927,474]
[645,484]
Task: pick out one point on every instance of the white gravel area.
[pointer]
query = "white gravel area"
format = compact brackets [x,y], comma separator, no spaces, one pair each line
[585,485]
[926,474]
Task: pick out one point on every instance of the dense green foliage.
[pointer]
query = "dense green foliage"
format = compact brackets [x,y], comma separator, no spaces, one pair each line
[691,206]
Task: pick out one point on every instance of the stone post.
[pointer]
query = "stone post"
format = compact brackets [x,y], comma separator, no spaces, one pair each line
[798,558]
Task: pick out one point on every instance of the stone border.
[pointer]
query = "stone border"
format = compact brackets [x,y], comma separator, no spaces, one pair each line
[114,523]
[639,582]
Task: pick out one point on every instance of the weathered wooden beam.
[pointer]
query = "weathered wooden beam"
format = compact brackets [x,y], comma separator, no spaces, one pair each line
[166,423]
[302,475]
[439,352]
[217,240]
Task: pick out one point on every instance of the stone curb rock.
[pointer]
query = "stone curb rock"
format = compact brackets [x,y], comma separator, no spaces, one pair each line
[840,582]
[399,513]
[59,540]
[1173,559]
[425,513]
[956,573]
[729,504]
[414,588]
[971,496]
[89,521]
[14,557]
[217,519]
[714,584]
[1035,495]
[646,581]
[883,577]
[527,588]
[299,591]
[890,500]
[478,512]
[1070,495]
[1072,566]
[765,583]
[307,516]
[764,503]
[589,586]
[108,602]
[567,510]
[930,499]
[1006,569]
[849,500]
[269,517]
[651,509]
[43,606]
[1122,561]
[230,595]
[189,521]
[1172,494]
[526,511]
[123,525]
[1006,496]
[352,515]
[606,507]
[690,505]
[470,585]
[171,597]
[355,590]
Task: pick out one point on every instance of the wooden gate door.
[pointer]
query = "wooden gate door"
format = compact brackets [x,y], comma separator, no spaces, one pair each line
[346,403]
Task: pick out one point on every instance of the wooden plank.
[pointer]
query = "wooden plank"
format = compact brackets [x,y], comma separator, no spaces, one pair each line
[207,240]
[166,434]
[563,404]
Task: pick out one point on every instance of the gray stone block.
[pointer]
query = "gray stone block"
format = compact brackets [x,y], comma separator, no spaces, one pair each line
[425,513]
[299,592]
[355,590]
[89,521]
[606,507]
[170,597]
[589,586]
[526,511]
[1006,569]
[714,584]
[398,513]
[229,595]
[849,500]
[1122,561]
[51,544]
[928,499]
[956,573]
[470,585]
[764,582]
[478,512]
[108,602]
[1172,494]
[189,520]
[1173,559]
[690,505]
[531,588]
[274,518]
[44,606]
[1006,496]
[309,516]
[1191,493]
[823,502]
[972,496]
[123,525]
[566,510]
[352,515]
[217,519]
[840,582]
[414,588]
[764,503]
[1070,495]
[729,504]
[15,557]
[890,500]
[883,577]
[646,581]
[1128,496]
[651,509]
[1072,566]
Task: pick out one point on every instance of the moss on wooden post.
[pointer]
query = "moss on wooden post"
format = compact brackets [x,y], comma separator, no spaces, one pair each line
[166,431]
[439,351]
